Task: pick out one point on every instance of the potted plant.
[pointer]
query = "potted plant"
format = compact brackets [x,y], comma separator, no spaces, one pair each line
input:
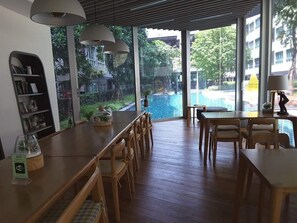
[145,101]
[267,107]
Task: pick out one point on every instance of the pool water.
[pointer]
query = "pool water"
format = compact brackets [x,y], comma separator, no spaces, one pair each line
[170,106]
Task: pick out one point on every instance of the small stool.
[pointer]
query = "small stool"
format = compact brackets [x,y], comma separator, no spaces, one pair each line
[210,109]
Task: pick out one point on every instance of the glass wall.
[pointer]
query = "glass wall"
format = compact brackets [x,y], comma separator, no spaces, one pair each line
[213,54]
[103,79]
[284,46]
[62,74]
[160,72]
[252,63]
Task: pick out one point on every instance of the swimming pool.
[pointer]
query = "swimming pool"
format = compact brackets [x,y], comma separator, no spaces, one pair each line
[170,106]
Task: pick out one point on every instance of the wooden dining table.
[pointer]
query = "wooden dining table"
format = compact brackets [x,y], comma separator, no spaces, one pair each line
[276,168]
[208,117]
[65,154]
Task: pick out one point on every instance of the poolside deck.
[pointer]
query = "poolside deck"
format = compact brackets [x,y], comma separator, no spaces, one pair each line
[174,187]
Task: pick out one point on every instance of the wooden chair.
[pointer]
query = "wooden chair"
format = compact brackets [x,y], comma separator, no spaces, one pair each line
[131,150]
[139,136]
[149,130]
[114,169]
[225,135]
[258,126]
[81,208]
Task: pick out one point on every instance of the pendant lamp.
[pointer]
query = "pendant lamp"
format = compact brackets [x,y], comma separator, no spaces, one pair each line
[57,12]
[119,47]
[96,34]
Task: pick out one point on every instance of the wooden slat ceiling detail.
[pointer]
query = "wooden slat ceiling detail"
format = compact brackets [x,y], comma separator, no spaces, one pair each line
[170,14]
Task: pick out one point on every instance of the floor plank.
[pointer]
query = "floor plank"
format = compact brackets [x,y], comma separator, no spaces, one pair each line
[173,185]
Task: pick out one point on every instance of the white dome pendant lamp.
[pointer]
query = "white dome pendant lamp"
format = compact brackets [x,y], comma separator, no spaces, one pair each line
[57,12]
[119,47]
[96,34]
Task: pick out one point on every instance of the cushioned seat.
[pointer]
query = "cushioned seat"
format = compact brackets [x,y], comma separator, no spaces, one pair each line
[209,109]
[87,213]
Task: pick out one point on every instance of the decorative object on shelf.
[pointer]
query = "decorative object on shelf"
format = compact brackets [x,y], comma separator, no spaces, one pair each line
[57,12]
[267,107]
[28,145]
[32,105]
[96,34]
[278,84]
[283,99]
[34,88]
[103,117]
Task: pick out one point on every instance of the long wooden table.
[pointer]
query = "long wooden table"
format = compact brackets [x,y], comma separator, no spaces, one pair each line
[207,117]
[276,168]
[65,155]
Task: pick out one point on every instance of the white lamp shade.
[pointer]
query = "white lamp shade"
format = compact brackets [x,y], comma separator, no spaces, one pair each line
[119,47]
[57,12]
[96,35]
[278,83]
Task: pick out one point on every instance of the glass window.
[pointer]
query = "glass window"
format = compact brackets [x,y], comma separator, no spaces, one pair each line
[250,64]
[257,43]
[251,44]
[279,57]
[160,72]
[257,22]
[213,58]
[62,76]
[289,55]
[252,27]
[279,31]
[257,62]
[252,53]
[285,23]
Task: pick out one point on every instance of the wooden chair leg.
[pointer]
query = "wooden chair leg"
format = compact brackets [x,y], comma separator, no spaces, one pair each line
[248,183]
[131,176]
[151,134]
[235,149]
[115,195]
[260,204]
[128,183]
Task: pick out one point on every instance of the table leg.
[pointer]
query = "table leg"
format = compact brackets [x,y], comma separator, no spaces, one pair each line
[241,177]
[201,122]
[294,123]
[206,136]
[275,205]
[188,116]
[193,110]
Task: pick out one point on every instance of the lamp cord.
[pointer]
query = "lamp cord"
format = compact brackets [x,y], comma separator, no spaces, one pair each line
[113,9]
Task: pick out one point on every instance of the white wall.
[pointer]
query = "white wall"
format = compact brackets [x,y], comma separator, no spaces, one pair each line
[19,33]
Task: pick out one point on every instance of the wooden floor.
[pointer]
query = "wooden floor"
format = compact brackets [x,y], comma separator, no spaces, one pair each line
[173,186]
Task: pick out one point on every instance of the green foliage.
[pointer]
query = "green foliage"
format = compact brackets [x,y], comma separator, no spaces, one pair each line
[286,15]
[213,52]
[115,105]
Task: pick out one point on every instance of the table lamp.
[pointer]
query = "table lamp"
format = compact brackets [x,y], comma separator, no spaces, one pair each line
[278,84]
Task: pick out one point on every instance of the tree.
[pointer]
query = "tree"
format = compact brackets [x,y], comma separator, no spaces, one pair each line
[60,52]
[157,59]
[286,14]
[213,52]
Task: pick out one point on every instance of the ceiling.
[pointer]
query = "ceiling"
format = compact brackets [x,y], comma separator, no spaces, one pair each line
[160,14]
[168,14]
